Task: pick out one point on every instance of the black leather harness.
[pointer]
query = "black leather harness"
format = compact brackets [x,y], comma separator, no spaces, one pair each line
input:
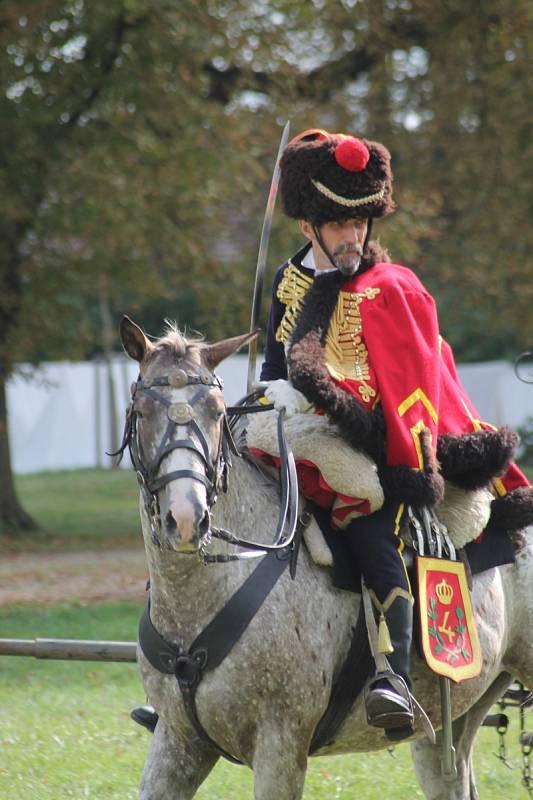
[215,475]
[220,636]
[217,640]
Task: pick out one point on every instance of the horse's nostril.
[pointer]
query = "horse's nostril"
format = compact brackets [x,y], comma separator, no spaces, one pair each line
[171,522]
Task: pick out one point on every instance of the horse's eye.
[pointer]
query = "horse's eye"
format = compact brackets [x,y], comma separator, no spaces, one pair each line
[215,407]
[143,407]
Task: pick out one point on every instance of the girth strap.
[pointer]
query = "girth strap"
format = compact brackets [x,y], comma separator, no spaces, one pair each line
[351,679]
[215,642]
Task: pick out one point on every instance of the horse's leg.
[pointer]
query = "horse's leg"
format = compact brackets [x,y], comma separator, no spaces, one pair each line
[175,768]
[427,757]
[280,763]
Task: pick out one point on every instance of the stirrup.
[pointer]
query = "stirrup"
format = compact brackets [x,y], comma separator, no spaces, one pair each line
[145,716]
[389,707]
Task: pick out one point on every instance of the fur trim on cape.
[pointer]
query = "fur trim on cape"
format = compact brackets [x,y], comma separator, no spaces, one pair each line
[490,454]
[513,511]
[469,461]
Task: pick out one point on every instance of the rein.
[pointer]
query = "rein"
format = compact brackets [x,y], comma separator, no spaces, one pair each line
[215,475]
[288,514]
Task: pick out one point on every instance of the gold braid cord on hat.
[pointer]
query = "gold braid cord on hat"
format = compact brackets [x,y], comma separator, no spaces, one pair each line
[347,201]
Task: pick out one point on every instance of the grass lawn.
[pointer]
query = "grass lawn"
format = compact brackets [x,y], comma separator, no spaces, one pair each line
[66,732]
[79,509]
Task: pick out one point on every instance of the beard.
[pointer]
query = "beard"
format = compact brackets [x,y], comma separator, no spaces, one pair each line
[347,258]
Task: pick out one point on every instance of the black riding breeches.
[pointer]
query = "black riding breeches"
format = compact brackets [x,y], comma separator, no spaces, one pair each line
[374,541]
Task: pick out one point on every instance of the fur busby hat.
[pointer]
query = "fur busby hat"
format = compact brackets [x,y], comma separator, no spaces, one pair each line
[331,176]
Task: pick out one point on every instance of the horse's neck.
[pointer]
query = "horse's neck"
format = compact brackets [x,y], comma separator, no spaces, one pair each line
[250,507]
[517,582]
[185,593]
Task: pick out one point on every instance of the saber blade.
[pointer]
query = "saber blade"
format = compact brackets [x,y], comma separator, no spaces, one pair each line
[262,259]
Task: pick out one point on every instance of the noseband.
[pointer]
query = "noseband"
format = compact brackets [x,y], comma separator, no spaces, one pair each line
[214,477]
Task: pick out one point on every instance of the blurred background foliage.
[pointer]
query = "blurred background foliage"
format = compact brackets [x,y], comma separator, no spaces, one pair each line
[137,141]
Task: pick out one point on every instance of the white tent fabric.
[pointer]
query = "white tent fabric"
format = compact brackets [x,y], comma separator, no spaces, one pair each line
[497,393]
[61,419]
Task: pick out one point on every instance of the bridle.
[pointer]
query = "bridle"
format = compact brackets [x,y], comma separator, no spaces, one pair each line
[215,475]
[179,415]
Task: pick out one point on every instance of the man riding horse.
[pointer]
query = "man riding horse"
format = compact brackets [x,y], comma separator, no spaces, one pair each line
[358,337]
[346,323]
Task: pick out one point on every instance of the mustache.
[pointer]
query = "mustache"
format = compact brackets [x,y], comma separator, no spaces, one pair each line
[353,249]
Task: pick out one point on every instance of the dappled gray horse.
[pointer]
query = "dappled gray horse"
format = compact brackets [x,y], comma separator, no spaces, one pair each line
[263,702]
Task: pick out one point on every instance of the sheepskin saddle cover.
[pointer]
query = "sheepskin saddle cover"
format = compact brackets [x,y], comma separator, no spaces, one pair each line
[350,472]
[312,437]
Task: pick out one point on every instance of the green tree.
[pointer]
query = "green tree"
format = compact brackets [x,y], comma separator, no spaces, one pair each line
[115,141]
[137,141]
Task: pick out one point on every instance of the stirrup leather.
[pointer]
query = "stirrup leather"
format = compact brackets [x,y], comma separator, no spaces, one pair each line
[388,707]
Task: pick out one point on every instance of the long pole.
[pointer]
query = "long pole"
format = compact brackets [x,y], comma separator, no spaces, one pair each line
[70,649]
[449,766]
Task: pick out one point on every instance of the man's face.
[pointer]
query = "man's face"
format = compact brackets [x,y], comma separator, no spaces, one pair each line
[344,240]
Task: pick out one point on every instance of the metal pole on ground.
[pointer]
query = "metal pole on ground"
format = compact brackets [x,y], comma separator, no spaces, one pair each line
[70,649]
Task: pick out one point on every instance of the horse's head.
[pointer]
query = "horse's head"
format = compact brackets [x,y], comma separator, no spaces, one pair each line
[175,430]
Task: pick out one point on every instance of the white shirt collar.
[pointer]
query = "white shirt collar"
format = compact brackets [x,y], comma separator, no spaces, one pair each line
[308,261]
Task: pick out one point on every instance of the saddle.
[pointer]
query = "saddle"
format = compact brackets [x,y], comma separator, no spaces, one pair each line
[314,439]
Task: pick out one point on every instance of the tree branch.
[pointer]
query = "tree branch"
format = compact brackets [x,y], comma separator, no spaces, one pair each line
[116,38]
[318,84]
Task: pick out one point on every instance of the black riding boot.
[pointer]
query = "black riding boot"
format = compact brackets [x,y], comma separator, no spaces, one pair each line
[145,716]
[388,704]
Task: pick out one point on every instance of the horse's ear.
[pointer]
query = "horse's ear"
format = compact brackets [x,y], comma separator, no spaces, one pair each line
[133,339]
[214,353]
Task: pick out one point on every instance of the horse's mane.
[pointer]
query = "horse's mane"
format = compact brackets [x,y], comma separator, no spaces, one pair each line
[175,343]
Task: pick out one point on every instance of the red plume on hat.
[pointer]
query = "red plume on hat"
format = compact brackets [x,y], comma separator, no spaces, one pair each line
[352,154]
[333,176]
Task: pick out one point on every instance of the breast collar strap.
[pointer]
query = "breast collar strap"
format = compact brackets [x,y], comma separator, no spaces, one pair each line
[215,642]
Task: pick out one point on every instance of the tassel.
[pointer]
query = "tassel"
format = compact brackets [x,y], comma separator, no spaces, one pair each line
[384,643]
